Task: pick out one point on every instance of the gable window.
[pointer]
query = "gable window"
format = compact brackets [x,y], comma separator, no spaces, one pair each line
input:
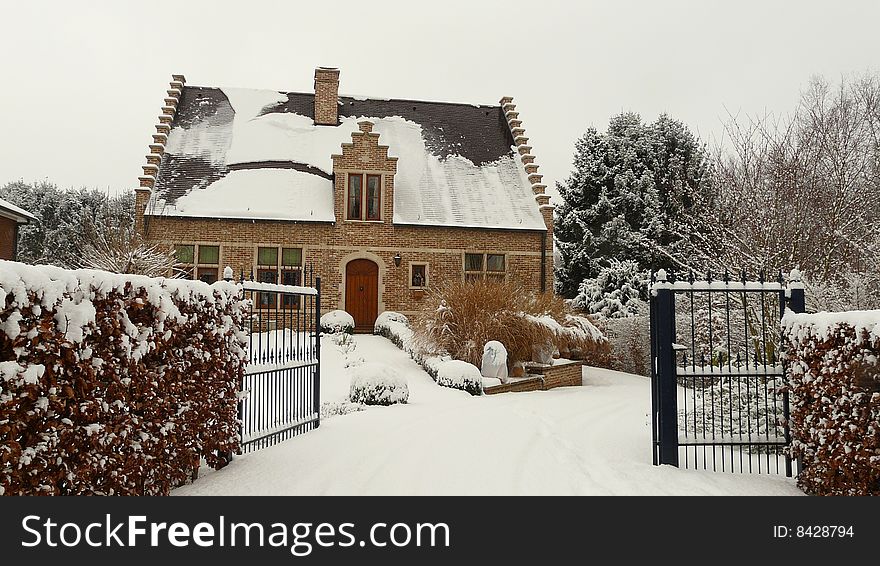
[484,266]
[197,261]
[418,275]
[364,204]
[287,271]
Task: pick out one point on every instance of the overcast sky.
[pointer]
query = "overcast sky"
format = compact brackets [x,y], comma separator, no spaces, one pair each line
[83,82]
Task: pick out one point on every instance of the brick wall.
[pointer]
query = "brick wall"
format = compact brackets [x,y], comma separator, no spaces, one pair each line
[7,238]
[329,248]
[565,374]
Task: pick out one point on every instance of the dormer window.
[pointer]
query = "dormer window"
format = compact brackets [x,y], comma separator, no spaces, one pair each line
[364,204]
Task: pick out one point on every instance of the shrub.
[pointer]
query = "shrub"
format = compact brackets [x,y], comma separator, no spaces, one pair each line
[336,322]
[115,384]
[619,291]
[630,342]
[834,378]
[395,327]
[455,374]
[375,383]
[467,315]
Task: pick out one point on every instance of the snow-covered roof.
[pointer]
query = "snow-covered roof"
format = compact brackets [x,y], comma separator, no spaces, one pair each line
[256,154]
[20,215]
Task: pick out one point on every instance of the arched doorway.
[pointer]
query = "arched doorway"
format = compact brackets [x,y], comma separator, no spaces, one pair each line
[362,293]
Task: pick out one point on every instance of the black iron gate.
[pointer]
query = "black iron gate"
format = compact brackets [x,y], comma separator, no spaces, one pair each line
[280,391]
[718,400]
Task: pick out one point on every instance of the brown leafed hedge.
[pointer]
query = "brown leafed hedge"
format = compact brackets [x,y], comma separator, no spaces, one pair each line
[834,379]
[114,384]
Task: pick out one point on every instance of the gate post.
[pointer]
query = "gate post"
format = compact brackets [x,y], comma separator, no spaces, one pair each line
[797,304]
[317,333]
[796,299]
[667,388]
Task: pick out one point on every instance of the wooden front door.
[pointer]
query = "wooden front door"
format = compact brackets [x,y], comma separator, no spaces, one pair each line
[362,293]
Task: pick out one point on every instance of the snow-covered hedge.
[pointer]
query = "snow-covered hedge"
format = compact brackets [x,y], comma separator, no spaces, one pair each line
[454,373]
[114,384]
[834,376]
[396,328]
[374,383]
[336,322]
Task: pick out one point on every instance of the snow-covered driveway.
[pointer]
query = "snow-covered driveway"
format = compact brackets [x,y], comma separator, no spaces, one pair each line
[591,440]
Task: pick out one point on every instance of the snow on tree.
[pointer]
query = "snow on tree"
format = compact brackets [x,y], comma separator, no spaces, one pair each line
[619,291]
[64,219]
[627,185]
[803,191]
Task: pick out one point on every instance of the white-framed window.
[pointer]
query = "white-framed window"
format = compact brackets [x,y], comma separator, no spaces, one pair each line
[364,197]
[418,275]
[279,264]
[483,265]
[197,261]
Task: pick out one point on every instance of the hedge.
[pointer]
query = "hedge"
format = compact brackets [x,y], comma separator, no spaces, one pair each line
[114,384]
[834,378]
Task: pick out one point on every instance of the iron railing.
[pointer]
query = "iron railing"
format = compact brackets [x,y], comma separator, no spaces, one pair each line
[280,392]
[718,394]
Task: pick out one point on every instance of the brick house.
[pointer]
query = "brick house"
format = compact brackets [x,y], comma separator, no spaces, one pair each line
[384,197]
[11,217]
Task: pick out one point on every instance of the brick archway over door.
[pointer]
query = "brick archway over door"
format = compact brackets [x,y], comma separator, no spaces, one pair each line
[362,293]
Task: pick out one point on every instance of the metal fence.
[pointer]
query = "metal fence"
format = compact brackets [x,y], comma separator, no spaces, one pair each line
[280,391]
[718,394]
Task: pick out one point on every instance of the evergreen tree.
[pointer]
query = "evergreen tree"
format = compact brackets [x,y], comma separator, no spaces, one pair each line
[628,186]
[619,291]
[66,220]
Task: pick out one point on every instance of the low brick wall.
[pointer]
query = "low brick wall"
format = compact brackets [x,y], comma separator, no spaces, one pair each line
[564,374]
[521,384]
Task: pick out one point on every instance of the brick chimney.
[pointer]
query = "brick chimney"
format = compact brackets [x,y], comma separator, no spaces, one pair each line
[326,96]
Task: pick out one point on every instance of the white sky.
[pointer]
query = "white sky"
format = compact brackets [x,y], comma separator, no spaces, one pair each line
[83,82]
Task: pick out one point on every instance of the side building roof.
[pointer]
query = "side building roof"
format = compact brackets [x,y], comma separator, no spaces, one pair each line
[20,215]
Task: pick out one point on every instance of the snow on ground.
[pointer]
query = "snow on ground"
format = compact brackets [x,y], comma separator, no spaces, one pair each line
[591,440]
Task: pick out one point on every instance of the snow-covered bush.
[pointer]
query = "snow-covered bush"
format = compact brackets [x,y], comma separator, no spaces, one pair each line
[374,383]
[454,373]
[849,290]
[396,328]
[834,378]
[463,317]
[630,341]
[737,407]
[337,408]
[619,291]
[115,384]
[338,321]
